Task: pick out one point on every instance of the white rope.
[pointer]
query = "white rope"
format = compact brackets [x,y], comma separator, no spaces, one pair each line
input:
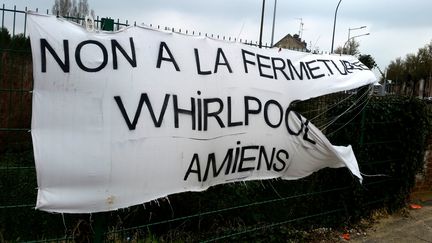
[350,108]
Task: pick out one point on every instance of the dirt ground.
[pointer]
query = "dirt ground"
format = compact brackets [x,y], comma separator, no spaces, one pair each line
[412,225]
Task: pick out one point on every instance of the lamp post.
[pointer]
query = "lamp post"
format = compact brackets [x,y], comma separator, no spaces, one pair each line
[262,22]
[351,39]
[273,26]
[358,28]
[334,25]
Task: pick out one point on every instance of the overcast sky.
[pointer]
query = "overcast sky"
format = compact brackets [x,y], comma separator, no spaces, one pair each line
[396,27]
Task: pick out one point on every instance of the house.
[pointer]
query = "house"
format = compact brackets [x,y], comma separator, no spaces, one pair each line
[292,42]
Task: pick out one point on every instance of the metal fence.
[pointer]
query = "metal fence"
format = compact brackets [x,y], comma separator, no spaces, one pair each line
[238,211]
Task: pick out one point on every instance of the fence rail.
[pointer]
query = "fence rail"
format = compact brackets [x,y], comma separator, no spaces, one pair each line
[236,211]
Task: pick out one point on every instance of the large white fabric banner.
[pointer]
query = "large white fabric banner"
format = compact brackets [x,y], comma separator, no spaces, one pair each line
[122,118]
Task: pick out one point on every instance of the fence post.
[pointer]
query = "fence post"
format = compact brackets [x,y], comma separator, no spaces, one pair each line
[362,127]
[3,12]
[25,21]
[14,19]
[99,221]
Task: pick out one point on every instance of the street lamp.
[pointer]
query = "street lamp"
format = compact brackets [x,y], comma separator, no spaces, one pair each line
[352,39]
[358,28]
[334,26]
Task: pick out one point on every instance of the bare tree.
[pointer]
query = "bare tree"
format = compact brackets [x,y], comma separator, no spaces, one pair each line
[351,47]
[73,8]
[62,7]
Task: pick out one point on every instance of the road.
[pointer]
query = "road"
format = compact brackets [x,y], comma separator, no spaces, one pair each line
[413,225]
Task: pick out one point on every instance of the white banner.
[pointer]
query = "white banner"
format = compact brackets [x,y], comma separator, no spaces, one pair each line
[122,118]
